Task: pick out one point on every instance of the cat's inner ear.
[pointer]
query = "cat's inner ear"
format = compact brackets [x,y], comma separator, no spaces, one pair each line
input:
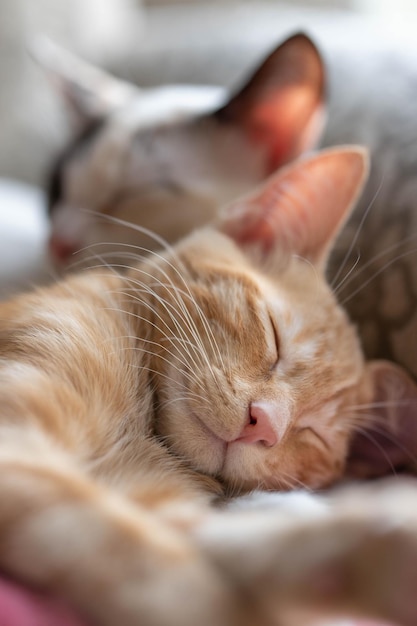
[282,106]
[385,441]
[300,209]
[89,93]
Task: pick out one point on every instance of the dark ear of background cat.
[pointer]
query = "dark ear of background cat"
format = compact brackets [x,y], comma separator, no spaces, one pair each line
[281,106]
[388,443]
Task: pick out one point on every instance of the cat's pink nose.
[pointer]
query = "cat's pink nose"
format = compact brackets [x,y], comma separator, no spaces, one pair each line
[259,427]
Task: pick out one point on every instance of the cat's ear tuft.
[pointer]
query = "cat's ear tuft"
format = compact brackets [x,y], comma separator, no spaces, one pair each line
[282,106]
[89,93]
[386,441]
[301,208]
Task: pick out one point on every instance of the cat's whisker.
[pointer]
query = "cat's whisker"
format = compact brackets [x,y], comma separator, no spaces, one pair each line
[377,424]
[153,236]
[136,316]
[154,371]
[285,484]
[94,257]
[314,270]
[232,490]
[154,343]
[148,253]
[148,289]
[377,445]
[201,344]
[199,349]
[184,373]
[186,315]
[391,437]
[295,481]
[380,255]
[349,273]
[146,320]
[185,342]
[356,236]
[374,405]
[169,248]
[310,264]
[175,356]
[377,273]
[86,264]
[209,333]
[190,395]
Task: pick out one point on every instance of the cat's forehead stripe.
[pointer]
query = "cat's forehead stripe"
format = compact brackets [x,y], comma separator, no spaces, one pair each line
[234,301]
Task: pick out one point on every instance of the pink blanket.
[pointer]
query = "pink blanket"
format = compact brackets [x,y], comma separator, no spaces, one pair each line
[21,607]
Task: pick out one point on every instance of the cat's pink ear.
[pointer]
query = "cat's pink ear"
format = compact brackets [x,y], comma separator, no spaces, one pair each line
[386,439]
[282,105]
[88,92]
[301,208]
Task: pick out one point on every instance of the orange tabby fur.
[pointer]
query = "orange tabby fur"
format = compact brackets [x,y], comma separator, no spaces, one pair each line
[123,398]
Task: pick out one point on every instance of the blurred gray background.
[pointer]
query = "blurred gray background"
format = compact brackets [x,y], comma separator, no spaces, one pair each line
[157,41]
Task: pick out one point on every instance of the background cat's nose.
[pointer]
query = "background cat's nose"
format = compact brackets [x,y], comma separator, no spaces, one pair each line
[61,249]
[259,426]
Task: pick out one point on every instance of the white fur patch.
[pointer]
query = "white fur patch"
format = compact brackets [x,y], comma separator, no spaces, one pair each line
[295,502]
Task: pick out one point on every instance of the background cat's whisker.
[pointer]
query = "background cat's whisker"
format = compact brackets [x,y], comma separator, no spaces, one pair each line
[377,273]
[357,233]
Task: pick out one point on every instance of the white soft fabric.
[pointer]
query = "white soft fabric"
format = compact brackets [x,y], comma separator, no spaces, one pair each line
[23,235]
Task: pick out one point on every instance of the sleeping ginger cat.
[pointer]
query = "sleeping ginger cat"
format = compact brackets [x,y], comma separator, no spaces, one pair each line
[130,403]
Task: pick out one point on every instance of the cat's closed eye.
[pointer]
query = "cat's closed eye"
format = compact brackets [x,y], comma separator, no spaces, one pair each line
[276,342]
[310,434]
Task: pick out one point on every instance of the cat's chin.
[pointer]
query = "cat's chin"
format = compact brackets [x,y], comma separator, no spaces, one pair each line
[239,468]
